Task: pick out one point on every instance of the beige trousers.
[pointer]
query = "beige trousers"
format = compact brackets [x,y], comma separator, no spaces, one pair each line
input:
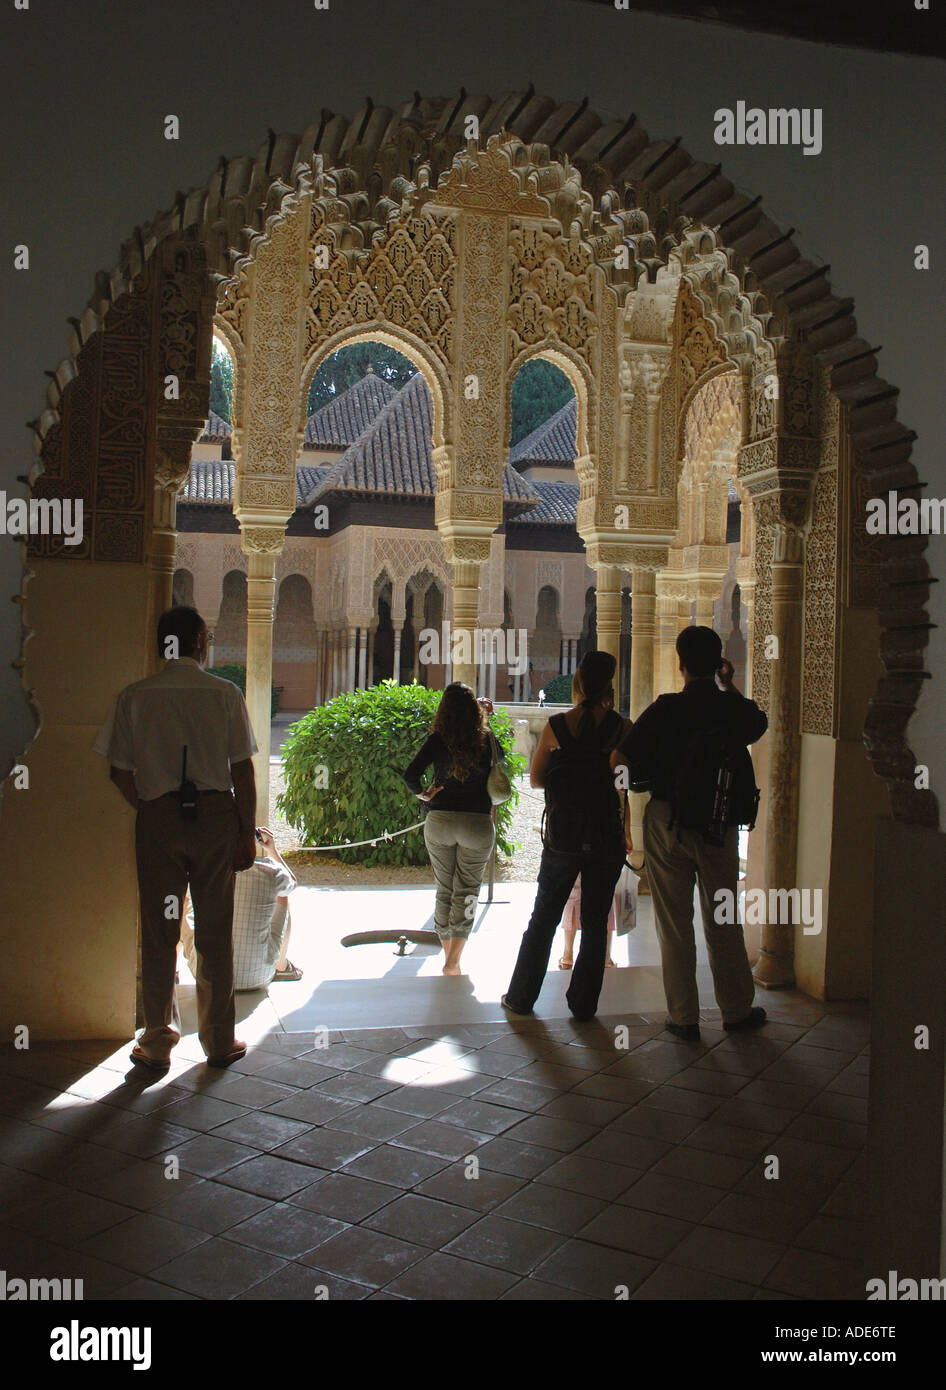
[459,844]
[676,860]
[170,854]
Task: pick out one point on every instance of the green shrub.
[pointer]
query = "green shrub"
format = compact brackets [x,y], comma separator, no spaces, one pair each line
[237,674]
[365,739]
[558,691]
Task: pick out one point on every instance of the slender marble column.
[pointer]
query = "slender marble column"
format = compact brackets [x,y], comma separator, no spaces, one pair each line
[466,601]
[260,608]
[775,967]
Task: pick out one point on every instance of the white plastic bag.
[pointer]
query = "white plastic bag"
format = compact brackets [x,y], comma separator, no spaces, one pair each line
[625,901]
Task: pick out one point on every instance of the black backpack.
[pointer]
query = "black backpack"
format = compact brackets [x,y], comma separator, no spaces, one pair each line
[582,806]
[714,785]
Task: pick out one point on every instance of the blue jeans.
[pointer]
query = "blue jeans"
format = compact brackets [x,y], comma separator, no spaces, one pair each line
[557,873]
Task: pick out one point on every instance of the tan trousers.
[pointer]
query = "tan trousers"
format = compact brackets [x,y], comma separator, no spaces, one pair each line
[459,844]
[675,861]
[172,853]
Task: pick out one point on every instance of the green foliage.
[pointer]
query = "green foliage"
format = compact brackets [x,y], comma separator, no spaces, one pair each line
[221,383]
[365,739]
[540,388]
[558,691]
[237,674]
[347,366]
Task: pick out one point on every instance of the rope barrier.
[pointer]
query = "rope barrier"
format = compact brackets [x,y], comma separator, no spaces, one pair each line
[356,844]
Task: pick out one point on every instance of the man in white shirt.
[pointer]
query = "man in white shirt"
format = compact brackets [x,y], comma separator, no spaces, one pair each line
[261,923]
[180,748]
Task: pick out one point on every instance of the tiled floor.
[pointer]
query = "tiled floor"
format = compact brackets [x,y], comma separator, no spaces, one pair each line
[507,1160]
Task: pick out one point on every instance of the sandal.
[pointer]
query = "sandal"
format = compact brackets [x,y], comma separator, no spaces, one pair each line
[141,1059]
[565,964]
[291,972]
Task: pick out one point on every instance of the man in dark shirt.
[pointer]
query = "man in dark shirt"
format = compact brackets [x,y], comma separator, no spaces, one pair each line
[677,857]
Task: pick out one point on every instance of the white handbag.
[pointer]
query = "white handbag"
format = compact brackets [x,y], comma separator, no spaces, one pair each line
[625,901]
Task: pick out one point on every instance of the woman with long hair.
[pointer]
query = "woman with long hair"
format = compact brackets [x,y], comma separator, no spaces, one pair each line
[458,829]
[584,833]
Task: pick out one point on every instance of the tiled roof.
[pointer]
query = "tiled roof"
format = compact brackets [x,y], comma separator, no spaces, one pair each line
[393,455]
[210,482]
[340,423]
[551,442]
[558,506]
[216,427]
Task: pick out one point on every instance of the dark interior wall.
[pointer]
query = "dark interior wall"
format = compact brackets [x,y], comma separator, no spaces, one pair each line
[89,82]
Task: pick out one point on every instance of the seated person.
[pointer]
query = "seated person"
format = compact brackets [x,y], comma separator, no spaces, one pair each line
[261,923]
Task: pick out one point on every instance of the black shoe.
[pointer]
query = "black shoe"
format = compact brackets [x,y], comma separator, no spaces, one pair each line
[689,1032]
[511,1009]
[581,1018]
[753,1019]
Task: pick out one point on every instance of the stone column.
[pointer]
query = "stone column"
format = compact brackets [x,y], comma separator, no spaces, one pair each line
[352,658]
[466,600]
[643,600]
[266,440]
[774,968]
[363,658]
[665,672]
[747,596]
[161,559]
[371,632]
[261,545]
[609,610]
[396,672]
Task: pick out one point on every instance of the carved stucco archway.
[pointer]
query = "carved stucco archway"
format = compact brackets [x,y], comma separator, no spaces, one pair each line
[709,282]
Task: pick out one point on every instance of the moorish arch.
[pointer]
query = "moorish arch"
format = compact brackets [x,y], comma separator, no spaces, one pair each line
[552,233]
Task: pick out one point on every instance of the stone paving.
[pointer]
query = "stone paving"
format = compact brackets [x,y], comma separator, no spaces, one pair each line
[603,1158]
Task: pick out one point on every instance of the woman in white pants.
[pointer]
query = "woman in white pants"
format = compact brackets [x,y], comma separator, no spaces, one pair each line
[458,830]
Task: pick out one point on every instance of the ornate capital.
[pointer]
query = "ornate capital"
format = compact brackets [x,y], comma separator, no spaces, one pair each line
[262,540]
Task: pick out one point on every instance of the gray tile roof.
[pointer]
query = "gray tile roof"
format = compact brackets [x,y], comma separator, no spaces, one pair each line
[343,420]
[216,427]
[552,442]
[558,506]
[210,482]
[393,455]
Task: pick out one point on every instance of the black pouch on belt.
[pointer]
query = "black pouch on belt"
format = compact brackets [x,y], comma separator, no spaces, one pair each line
[186,793]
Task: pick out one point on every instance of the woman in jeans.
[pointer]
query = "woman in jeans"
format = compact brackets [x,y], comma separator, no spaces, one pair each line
[458,830]
[583,737]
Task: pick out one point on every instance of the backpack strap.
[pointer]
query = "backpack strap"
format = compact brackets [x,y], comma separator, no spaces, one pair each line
[559,727]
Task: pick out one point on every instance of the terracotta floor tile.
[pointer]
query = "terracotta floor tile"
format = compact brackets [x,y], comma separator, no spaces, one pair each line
[483,1193]
[556,1208]
[143,1242]
[217,1268]
[670,1196]
[347,1198]
[365,1257]
[811,1275]
[421,1220]
[288,1231]
[594,1269]
[594,1177]
[675,1283]
[445,1277]
[269,1176]
[728,1253]
[398,1167]
[640,1232]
